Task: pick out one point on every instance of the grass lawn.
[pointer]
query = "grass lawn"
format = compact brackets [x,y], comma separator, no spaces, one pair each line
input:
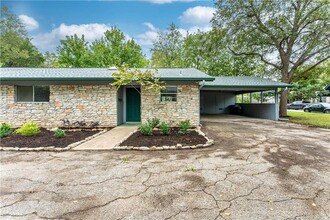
[310,118]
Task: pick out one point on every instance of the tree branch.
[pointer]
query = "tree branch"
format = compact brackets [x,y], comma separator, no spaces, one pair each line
[304,57]
[136,89]
[309,13]
[255,54]
[262,27]
[310,68]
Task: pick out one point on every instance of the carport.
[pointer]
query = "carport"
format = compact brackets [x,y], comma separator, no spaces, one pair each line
[242,95]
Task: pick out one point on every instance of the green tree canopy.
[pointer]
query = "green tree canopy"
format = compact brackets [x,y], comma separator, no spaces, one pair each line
[310,84]
[167,50]
[51,60]
[16,48]
[10,23]
[115,50]
[74,52]
[207,52]
[284,34]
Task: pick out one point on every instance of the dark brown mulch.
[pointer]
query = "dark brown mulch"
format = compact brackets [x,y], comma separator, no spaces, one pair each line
[45,139]
[157,139]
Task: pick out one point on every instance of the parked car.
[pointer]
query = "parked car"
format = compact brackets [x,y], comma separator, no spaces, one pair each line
[298,105]
[318,107]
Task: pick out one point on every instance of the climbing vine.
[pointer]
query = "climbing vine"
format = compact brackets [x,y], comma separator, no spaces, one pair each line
[133,77]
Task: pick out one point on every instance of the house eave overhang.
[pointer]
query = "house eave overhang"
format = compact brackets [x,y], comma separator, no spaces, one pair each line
[247,86]
[95,79]
[55,79]
[186,79]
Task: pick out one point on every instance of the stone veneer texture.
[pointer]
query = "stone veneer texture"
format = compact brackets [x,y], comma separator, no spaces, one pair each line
[72,102]
[185,108]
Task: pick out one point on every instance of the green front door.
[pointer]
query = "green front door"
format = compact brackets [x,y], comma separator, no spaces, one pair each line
[133,105]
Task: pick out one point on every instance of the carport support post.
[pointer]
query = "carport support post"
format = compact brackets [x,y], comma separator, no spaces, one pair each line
[277,109]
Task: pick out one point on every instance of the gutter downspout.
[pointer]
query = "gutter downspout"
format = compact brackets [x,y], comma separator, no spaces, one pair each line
[201,84]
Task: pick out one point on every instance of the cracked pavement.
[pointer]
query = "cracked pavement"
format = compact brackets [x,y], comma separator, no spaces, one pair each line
[257,169]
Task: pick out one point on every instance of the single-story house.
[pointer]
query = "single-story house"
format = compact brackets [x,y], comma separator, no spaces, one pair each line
[54,96]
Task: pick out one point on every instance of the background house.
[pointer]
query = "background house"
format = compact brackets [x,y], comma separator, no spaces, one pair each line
[326,98]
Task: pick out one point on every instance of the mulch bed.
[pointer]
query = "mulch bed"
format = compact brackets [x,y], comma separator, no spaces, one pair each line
[45,139]
[158,140]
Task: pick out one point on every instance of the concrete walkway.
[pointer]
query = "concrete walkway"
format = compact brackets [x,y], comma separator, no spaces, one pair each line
[107,140]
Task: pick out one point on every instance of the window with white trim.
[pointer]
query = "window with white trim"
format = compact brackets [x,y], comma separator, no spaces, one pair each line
[169,94]
[32,93]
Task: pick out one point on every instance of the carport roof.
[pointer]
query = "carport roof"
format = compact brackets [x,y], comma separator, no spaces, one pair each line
[244,82]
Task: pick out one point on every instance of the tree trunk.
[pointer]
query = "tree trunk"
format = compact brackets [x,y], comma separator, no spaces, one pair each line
[284,92]
[283,103]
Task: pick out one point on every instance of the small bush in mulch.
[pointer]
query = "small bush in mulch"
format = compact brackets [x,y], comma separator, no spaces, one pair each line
[146,129]
[45,138]
[28,129]
[165,128]
[157,139]
[5,130]
[184,127]
[153,122]
[59,133]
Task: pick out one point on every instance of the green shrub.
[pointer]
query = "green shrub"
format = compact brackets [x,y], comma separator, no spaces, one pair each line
[154,122]
[164,128]
[59,133]
[145,129]
[5,130]
[28,129]
[184,127]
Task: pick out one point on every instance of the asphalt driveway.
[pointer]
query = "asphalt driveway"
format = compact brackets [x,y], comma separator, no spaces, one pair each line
[257,169]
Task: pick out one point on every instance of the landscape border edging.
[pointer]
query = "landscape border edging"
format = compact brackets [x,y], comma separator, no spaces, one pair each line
[53,148]
[178,146]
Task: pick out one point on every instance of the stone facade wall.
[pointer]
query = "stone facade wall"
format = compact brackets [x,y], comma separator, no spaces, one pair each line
[185,108]
[72,102]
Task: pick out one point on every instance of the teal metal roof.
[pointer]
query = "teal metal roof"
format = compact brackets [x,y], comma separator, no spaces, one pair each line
[105,74]
[244,82]
[95,74]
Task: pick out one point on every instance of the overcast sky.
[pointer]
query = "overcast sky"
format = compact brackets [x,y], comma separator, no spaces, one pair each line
[47,22]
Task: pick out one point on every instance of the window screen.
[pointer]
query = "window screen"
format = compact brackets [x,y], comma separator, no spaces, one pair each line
[32,94]
[25,93]
[41,93]
[169,94]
